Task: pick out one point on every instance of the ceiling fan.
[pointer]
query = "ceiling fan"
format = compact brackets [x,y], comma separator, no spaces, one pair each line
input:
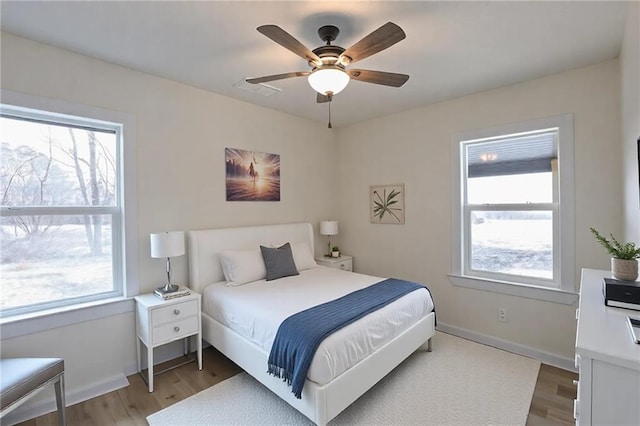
[329,73]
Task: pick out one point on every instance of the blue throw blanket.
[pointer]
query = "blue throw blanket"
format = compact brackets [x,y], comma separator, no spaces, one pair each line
[300,335]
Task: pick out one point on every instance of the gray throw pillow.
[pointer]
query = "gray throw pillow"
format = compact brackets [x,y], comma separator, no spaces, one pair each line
[279,262]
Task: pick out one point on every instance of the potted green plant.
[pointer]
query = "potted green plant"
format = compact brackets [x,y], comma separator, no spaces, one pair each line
[624,257]
[335,251]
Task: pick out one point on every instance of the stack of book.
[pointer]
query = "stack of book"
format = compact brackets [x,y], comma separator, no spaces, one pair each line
[165,295]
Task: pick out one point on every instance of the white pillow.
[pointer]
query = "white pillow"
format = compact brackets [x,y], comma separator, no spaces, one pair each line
[302,256]
[242,266]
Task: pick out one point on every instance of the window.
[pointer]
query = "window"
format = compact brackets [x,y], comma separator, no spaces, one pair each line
[62,217]
[514,208]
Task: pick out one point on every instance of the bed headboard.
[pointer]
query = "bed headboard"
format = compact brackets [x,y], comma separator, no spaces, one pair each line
[204,246]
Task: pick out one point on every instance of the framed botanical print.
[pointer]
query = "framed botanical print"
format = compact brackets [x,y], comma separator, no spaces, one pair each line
[386,204]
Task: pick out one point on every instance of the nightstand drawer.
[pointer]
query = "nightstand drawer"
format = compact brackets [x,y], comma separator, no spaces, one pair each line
[174,312]
[344,263]
[347,265]
[175,330]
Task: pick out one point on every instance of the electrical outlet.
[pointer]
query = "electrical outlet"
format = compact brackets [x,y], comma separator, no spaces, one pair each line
[502,315]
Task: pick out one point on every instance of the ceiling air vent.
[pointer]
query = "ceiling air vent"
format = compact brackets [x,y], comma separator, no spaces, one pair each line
[260,88]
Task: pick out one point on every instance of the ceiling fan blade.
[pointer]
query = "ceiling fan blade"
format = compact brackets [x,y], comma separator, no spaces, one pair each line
[277,77]
[379,77]
[382,38]
[320,98]
[287,41]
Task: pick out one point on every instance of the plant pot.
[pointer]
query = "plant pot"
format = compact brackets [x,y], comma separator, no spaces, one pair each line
[624,269]
[337,254]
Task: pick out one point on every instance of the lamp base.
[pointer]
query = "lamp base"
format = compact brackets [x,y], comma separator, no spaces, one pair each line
[169,288]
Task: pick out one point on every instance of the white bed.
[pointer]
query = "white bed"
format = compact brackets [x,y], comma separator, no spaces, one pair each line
[335,380]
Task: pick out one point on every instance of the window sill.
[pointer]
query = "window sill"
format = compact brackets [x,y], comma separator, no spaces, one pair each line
[21,325]
[521,290]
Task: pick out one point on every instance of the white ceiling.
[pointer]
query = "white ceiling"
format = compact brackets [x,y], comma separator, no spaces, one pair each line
[452,48]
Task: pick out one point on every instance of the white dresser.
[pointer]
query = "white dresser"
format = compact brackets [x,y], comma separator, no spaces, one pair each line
[607,359]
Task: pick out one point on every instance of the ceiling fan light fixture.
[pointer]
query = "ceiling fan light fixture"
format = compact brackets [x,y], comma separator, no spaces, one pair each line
[328,79]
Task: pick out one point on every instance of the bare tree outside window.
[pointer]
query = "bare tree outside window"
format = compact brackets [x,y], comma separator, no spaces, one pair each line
[58,189]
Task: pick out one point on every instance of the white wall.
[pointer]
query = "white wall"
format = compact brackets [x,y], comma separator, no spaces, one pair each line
[182,133]
[630,98]
[413,148]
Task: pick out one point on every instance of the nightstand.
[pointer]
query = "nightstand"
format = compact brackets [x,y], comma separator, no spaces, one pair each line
[159,322]
[343,262]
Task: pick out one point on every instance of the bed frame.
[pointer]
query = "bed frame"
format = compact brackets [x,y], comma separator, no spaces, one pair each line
[320,403]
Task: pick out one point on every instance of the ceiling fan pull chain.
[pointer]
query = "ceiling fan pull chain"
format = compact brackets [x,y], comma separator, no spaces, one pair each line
[329,115]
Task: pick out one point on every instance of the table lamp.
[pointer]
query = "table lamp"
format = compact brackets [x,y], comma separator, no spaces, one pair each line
[328,228]
[167,244]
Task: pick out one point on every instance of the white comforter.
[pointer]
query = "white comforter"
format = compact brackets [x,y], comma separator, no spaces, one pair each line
[256,310]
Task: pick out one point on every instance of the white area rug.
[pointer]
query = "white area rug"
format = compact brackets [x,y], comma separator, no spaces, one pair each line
[459,383]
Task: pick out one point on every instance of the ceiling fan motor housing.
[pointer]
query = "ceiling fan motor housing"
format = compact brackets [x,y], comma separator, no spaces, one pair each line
[329,55]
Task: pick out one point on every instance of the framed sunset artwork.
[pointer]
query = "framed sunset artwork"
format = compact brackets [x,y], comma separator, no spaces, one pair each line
[252,176]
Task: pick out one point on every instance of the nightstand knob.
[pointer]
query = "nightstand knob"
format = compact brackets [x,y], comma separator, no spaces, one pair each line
[176,329]
[176,311]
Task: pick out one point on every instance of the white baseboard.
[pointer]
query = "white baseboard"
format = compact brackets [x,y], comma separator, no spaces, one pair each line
[542,356]
[37,408]
[41,407]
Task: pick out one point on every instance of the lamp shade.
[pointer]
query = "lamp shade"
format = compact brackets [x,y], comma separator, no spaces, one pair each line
[329,79]
[329,227]
[167,244]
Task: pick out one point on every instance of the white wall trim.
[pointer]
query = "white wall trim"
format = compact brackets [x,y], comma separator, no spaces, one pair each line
[37,408]
[22,325]
[517,348]
[40,321]
[547,294]
[566,280]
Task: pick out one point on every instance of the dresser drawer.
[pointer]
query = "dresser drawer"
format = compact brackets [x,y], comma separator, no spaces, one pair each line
[175,330]
[174,312]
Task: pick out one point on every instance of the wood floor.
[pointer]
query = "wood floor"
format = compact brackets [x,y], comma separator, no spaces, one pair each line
[552,402]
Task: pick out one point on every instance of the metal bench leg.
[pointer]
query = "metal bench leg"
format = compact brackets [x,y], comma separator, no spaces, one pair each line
[60,401]
[429,345]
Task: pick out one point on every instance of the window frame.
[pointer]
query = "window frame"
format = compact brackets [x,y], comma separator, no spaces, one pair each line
[562,209]
[125,265]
